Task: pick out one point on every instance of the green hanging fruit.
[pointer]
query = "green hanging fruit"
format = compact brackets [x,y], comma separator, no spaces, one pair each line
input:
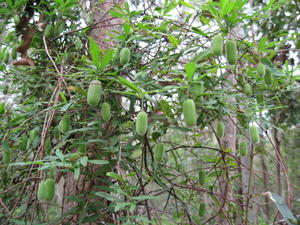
[202,209]
[159,152]
[94,93]
[124,56]
[231,52]
[142,123]
[243,148]
[42,191]
[247,89]
[268,78]
[261,69]
[48,32]
[189,112]
[48,146]
[16,19]
[202,177]
[220,129]
[64,124]
[50,187]
[254,134]
[217,45]
[106,113]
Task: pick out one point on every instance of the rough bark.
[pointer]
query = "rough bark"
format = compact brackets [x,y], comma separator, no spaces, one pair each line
[266,186]
[104,24]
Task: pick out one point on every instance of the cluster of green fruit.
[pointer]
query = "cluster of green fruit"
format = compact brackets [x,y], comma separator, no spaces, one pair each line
[231,51]
[231,54]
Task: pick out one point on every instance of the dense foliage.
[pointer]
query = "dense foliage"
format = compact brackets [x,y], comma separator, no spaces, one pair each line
[140,128]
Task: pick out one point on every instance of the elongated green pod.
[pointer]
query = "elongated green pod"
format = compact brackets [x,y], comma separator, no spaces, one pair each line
[50,187]
[142,123]
[189,112]
[64,124]
[261,69]
[254,134]
[94,93]
[243,148]
[6,156]
[231,52]
[42,191]
[48,32]
[220,129]
[125,56]
[48,146]
[17,19]
[202,209]
[202,177]
[268,78]
[247,89]
[217,45]
[106,113]
[159,152]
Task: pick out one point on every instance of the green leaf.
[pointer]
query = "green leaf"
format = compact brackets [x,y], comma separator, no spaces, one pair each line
[59,155]
[77,173]
[2,108]
[199,31]
[115,176]
[190,69]
[116,14]
[130,85]
[226,7]
[65,107]
[106,58]
[269,5]
[283,208]
[173,40]
[99,162]
[84,161]
[107,196]
[144,197]
[122,205]
[27,163]
[94,52]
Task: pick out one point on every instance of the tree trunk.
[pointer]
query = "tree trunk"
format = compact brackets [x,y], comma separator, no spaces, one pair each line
[104,24]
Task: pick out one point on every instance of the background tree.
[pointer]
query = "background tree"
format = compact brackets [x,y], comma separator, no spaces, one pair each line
[150,57]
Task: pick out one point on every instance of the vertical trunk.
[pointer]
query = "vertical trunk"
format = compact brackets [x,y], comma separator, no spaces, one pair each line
[278,169]
[104,24]
[266,185]
[228,142]
[225,189]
